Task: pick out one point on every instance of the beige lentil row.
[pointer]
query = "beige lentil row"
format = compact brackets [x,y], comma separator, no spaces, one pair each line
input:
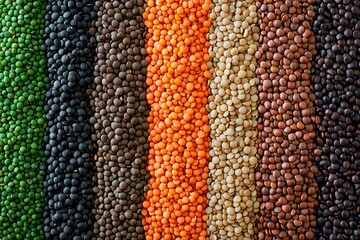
[233,116]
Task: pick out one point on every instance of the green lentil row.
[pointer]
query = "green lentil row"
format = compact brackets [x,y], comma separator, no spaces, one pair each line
[22,123]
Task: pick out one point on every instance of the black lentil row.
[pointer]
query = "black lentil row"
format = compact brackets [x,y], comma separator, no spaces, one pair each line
[287,189]
[69,149]
[22,123]
[120,110]
[336,78]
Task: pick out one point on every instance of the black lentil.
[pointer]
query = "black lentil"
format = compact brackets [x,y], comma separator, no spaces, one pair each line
[69,148]
[336,78]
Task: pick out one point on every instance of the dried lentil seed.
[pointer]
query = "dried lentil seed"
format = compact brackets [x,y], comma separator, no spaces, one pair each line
[120,112]
[178,124]
[336,84]
[233,119]
[69,149]
[22,125]
[286,125]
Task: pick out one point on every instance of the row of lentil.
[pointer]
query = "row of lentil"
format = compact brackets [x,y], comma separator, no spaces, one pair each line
[178,124]
[23,120]
[68,146]
[337,90]
[233,116]
[118,99]
[286,183]
[153,111]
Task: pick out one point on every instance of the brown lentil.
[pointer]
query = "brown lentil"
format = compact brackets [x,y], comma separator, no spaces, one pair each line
[286,145]
[120,106]
[233,116]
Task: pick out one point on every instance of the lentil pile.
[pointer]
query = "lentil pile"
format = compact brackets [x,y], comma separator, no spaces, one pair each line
[68,146]
[22,126]
[286,184]
[233,116]
[178,122]
[120,119]
[337,90]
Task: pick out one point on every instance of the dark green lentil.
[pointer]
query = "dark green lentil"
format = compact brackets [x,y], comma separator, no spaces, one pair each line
[69,149]
[22,123]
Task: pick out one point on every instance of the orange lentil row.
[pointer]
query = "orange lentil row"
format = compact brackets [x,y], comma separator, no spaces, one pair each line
[178,124]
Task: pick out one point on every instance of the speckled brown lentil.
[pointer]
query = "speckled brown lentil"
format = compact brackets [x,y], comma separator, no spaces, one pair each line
[120,106]
[286,186]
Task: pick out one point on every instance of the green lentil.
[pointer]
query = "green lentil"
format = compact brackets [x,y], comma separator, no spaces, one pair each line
[22,119]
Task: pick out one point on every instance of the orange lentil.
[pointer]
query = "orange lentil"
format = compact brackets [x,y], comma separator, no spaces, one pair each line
[178,123]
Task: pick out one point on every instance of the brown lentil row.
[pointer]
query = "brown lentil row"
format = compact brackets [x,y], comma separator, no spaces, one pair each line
[120,111]
[233,116]
[287,189]
[337,90]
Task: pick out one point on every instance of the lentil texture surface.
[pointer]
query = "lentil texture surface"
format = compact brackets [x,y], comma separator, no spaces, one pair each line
[233,116]
[69,149]
[337,90]
[120,119]
[286,184]
[22,124]
[178,122]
